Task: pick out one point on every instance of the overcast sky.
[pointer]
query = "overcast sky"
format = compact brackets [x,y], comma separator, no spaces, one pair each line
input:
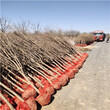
[85,16]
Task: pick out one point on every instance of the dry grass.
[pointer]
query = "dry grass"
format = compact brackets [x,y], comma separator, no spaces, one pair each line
[83,49]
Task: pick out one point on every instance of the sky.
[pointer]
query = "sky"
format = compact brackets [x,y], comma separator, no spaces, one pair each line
[84,16]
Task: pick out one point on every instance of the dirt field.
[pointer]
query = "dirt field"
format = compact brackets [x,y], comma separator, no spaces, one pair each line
[90,89]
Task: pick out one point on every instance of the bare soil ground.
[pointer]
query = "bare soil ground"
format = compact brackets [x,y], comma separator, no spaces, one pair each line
[90,89]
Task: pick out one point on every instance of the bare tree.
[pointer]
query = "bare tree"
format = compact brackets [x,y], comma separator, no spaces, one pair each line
[72,33]
[36,28]
[22,27]
[49,30]
[4,24]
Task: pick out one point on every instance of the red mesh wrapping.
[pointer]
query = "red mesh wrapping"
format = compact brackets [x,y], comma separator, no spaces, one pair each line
[56,84]
[43,99]
[37,85]
[48,88]
[19,91]
[63,79]
[25,86]
[32,103]
[16,100]
[22,106]
[75,69]
[51,77]
[86,55]
[29,92]
[4,107]
[79,65]
[70,74]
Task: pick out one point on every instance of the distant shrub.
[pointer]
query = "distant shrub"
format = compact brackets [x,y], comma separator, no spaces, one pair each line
[84,38]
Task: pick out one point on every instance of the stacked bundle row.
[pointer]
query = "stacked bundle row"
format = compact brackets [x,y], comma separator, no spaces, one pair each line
[33,67]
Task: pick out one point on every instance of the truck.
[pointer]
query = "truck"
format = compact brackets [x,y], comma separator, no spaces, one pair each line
[99,35]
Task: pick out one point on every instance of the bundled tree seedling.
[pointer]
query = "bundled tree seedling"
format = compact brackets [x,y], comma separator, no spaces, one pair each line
[33,66]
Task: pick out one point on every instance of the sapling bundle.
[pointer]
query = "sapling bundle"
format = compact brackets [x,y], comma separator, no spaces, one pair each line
[9,54]
[33,66]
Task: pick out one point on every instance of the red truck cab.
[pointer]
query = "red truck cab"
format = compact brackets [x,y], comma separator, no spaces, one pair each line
[99,35]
